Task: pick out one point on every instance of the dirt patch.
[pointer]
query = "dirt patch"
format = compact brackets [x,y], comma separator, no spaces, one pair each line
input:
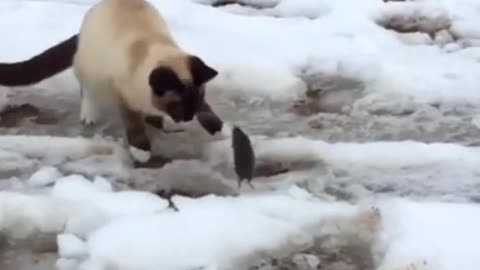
[327,93]
[15,115]
[26,260]
[414,19]
[326,253]
[267,170]
[272,168]
[35,253]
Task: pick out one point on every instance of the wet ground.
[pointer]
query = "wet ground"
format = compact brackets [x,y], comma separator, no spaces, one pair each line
[37,253]
[38,111]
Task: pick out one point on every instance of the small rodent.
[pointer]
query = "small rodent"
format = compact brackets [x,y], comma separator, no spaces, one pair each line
[243,155]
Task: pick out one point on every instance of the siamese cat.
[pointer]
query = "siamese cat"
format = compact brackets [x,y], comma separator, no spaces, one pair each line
[125,55]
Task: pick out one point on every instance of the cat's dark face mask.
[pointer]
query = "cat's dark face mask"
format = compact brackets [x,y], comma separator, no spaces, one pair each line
[181,99]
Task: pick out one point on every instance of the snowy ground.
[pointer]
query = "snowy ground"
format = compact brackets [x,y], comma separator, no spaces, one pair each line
[364,118]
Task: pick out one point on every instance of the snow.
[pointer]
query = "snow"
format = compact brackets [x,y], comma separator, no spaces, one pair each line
[357,45]
[70,246]
[44,176]
[268,52]
[408,231]
[194,239]
[427,242]
[380,154]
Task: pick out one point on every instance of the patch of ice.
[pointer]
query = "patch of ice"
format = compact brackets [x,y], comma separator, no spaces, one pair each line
[11,160]
[385,103]
[54,149]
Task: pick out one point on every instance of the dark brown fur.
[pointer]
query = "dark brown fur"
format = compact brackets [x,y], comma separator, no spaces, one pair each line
[155,121]
[135,129]
[134,123]
[44,65]
[208,119]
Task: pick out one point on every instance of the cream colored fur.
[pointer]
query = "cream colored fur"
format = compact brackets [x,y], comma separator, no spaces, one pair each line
[120,43]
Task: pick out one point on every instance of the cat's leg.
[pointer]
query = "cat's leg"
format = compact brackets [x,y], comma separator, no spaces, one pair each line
[137,140]
[88,109]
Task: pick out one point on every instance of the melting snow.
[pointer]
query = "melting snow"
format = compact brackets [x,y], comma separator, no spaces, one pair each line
[272,51]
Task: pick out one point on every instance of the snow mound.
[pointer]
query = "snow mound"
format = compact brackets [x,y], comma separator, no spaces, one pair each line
[73,204]
[380,154]
[430,241]
[222,232]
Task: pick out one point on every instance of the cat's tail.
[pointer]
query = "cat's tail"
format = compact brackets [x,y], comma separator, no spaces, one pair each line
[39,67]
